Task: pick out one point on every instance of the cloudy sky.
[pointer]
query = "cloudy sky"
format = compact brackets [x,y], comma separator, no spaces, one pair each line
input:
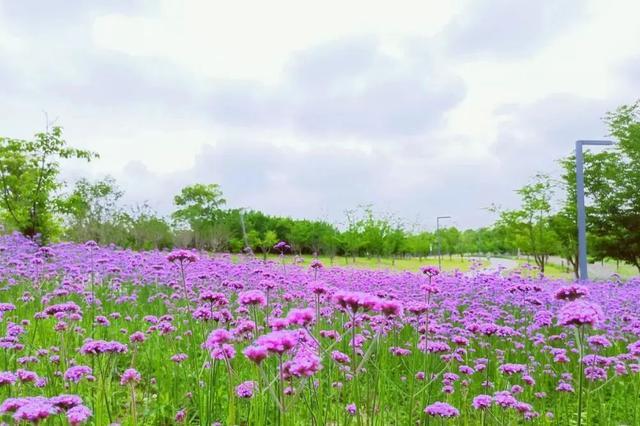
[305,109]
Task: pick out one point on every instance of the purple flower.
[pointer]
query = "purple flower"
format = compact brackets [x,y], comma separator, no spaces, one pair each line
[281,247]
[182,256]
[76,373]
[391,307]
[482,402]
[7,378]
[78,415]
[571,292]
[35,412]
[130,376]
[511,369]
[301,317]
[441,409]
[245,389]
[340,358]
[504,399]
[351,409]
[430,270]
[316,264]
[580,313]
[65,401]
[252,297]
[223,351]
[97,347]
[278,342]
[256,353]
[217,337]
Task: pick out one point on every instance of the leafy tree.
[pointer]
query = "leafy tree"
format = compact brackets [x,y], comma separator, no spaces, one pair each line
[420,244]
[299,236]
[263,242]
[565,222]
[450,240]
[29,172]
[329,241]
[148,230]
[352,238]
[612,179]
[199,207]
[91,209]
[530,225]
[374,233]
[394,242]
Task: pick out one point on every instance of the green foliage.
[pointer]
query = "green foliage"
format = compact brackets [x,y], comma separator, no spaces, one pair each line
[530,224]
[91,210]
[612,179]
[29,172]
[31,202]
[200,208]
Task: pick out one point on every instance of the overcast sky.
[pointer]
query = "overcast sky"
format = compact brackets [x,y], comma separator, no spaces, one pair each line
[305,109]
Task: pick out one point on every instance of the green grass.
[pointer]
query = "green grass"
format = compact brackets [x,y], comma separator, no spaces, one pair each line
[404,264]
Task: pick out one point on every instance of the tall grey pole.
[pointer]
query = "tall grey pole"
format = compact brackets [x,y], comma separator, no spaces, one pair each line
[244,231]
[438,235]
[582,216]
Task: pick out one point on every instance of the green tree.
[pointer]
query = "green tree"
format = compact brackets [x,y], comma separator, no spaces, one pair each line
[420,244]
[612,179]
[352,237]
[200,208]
[450,240]
[394,242]
[329,240]
[29,183]
[91,210]
[565,222]
[148,230]
[263,242]
[529,226]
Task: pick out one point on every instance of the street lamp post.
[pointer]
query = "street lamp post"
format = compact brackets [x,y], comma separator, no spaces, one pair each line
[582,217]
[438,235]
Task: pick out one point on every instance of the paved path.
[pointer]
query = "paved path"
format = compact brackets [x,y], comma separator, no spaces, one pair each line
[497,263]
[596,271]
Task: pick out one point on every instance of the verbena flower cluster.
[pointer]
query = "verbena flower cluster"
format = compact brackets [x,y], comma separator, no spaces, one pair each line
[111,336]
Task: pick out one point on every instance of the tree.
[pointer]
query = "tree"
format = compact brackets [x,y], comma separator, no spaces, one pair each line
[264,242]
[374,233]
[352,238]
[29,180]
[91,209]
[565,222]
[420,244]
[450,240]
[530,225]
[329,240]
[199,207]
[148,230]
[299,236]
[612,179]
[394,242]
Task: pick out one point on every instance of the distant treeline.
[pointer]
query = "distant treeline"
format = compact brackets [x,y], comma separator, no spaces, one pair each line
[35,202]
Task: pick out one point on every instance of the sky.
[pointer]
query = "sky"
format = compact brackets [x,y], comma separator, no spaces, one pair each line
[306,109]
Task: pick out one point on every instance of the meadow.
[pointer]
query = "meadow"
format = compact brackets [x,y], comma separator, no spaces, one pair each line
[101,335]
[449,263]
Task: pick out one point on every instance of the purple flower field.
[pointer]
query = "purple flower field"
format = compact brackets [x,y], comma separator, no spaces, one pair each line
[100,335]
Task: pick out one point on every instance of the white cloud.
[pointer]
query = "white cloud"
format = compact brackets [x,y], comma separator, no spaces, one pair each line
[308,108]
[253,40]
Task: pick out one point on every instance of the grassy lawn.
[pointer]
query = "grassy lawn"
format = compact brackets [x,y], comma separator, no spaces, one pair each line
[408,264]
